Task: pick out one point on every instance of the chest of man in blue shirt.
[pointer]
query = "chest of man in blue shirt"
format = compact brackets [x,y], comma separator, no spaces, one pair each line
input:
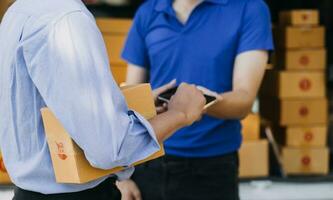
[201,51]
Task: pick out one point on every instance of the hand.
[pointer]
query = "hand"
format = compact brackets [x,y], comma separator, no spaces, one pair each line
[210,93]
[129,190]
[160,90]
[189,101]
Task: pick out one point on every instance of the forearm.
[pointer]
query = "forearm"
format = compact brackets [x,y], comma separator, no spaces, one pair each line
[166,124]
[235,105]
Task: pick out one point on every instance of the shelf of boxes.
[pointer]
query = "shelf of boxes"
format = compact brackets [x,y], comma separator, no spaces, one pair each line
[293,95]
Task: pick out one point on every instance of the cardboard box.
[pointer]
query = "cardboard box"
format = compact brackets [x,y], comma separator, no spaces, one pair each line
[251,127]
[292,37]
[119,73]
[4,177]
[4,5]
[293,84]
[114,26]
[69,162]
[305,161]
[253,157]
[301,59]
[295,111]
[299,17]
[114,33]
[302,136]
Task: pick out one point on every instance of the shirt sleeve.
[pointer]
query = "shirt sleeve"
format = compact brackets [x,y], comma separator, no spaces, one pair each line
[67,61]
[135,50]
[256,31]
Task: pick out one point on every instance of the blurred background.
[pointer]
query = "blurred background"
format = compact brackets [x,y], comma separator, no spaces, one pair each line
[283,156]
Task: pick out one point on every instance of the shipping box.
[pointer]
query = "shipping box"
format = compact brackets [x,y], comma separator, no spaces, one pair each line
[4,177]
[292,37]
[305,161]
[69,162]
[299,17]
[302,136]
[251,127]
[253,158]
[4,5]
[301,59]
[295,111]
[293,84]
[115,33]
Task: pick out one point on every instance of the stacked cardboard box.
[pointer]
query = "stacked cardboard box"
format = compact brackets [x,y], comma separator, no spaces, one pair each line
[4,5]
[294,94]
[253,155]
[115,33]
[4,177]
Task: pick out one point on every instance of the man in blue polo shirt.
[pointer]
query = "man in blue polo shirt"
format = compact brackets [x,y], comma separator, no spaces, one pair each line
[219,44]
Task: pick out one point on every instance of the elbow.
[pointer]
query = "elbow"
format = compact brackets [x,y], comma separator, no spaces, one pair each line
[245,111]
[105,160]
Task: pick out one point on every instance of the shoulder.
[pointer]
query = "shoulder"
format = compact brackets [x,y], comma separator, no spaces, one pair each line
[256,5]
[145,14]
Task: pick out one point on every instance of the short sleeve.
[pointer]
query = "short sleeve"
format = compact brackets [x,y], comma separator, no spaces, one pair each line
[256,31]
[135,50]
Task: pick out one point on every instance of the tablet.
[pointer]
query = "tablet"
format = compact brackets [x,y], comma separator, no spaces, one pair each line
[166,96]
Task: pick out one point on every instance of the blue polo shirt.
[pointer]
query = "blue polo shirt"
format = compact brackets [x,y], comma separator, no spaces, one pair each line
[200,52]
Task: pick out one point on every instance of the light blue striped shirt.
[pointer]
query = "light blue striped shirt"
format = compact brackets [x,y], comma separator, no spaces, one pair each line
[52,54]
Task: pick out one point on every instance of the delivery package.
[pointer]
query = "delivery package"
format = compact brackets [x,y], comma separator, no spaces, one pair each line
[68,160]
[4,177]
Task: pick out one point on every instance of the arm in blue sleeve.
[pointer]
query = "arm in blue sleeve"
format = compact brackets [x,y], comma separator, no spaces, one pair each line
[68,63]
[256,30]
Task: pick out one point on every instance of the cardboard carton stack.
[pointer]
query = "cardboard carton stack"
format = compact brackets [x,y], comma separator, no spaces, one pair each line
[293,95]
[115,33]
[253,155]
[4,177]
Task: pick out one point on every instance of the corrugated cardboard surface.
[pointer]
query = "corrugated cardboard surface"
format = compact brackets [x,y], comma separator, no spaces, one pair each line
[253,157]
[251,127]
[69,162]
[294,84]
[299,17]
[295,111]
[301,59]
[305,160]
[292,37]
[4,177]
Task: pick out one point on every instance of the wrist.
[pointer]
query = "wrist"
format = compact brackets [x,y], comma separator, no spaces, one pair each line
[179,116]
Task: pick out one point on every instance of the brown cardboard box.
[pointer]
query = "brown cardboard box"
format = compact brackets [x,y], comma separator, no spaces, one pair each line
[119,73]
[303,161]
[69,162]
[301,59]
[293,84]
[292,37]
[299,17]
[295,111]
[302,136]
[114,33]
[4,5]
[251,127]
[4,177]
[253,157]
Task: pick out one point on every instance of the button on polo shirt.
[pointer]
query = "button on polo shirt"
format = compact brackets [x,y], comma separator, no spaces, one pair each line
[201,51]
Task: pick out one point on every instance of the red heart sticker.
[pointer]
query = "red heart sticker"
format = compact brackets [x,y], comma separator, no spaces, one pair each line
[305,84]
[305,17]
[308,136]
[306,160]
[61,151]
[304,60]
[303,111]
